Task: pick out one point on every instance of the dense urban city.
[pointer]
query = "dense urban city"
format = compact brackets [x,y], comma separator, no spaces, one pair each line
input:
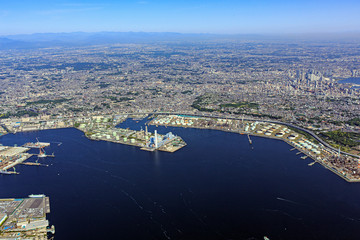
[290,82]
[175,119]
[295,92]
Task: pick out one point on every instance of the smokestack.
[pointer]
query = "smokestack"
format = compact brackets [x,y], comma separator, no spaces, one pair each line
[156,140]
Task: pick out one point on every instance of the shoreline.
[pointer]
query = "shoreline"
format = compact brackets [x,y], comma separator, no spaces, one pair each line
[332,169]
[164,148]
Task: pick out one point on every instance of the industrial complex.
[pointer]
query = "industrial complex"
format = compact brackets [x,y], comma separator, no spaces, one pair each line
[25,218]
[345,166]
[104,128]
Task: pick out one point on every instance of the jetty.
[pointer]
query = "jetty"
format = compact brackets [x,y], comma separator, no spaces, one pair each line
[249,139]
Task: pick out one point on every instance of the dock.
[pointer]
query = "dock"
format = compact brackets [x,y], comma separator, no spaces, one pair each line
[8,172]
[310,164]
[249,139]
[148,149]
[44,156]
[34,164]
[36,145]
[12,156]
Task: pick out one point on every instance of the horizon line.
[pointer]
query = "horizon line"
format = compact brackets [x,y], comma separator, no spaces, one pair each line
[195,33]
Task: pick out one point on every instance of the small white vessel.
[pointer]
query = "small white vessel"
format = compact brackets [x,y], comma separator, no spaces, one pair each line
[36,195]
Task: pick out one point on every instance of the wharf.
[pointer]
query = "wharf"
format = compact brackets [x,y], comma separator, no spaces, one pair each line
[16,162]
[34,164]
[36,145]
[174,145]
[43,156]
[8,172]
[12,156]
[148,149]
[312,148]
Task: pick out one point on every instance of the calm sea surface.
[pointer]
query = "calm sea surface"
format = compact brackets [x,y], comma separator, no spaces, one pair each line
[217,187]
[355,80]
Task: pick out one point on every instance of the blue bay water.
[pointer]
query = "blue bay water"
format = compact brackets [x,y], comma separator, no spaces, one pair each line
[354,80]
[217,187]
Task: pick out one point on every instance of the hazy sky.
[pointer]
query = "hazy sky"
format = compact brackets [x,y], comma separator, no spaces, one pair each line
[185,16]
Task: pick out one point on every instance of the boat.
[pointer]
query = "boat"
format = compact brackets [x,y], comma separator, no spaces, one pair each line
[36,195]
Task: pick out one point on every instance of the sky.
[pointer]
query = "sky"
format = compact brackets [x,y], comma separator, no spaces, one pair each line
[183,16]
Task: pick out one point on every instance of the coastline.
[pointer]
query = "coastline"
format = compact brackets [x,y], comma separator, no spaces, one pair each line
[141,143]
[303,151]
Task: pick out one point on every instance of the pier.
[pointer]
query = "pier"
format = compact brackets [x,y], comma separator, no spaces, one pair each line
[34,164]
[249,139]
[12,156]
[36,145]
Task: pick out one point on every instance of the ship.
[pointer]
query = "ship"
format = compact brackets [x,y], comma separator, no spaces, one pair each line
[36,145]
[36,195]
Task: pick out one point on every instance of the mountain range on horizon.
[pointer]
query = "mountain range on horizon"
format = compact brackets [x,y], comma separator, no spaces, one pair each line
[41,40]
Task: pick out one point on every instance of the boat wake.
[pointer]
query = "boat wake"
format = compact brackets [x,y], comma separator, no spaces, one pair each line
[289,201]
